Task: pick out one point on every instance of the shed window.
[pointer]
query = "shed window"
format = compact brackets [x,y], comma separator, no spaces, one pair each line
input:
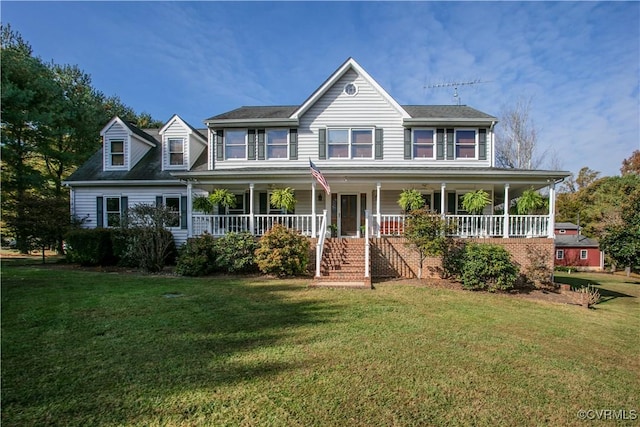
[584,254]
[560,254]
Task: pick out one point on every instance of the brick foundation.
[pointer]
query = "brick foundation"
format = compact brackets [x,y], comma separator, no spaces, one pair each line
[393,257]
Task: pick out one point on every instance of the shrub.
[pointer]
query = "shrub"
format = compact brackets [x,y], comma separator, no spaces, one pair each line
[488,267]
[90,246]
[236,253]
[282,252]
[148,241]
[198,256]
[453,259]
[592,295]
[538,271]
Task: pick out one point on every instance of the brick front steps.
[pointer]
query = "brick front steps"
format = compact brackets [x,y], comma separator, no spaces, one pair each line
[343,264]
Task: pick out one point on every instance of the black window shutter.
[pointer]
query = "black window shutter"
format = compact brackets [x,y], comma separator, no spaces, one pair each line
[407,144]
[379,152]
[219,145]
[260,144]
[451,203]
[450,144]
[158,201]
[183,212]
[251,144]
[440,144]
[293,144]
[482,144]
[263,203]
[322,144]
[247,201]
[99,212]
[124,208]
[437,202]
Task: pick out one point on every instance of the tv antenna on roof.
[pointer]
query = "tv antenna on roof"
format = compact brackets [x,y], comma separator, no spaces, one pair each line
[455,86]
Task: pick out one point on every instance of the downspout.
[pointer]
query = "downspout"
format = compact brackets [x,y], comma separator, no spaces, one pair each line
[493,143]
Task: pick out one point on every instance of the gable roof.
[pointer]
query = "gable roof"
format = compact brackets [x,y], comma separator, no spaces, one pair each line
[191,129]
[566,226]
[149,168]
[133,130]
[349,64]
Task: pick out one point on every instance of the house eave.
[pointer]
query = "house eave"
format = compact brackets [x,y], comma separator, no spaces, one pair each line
[434,121]
[243,123]
[119,182]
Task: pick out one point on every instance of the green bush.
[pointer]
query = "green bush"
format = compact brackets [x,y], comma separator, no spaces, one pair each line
[453,259]
[236,253]
[198,256]
[90,246]
[488,267]
[282,252]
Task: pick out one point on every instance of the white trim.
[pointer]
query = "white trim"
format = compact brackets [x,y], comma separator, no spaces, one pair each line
[105,211]
[167,145]
[586,254]
[475,144]
[559,254]
[174,196]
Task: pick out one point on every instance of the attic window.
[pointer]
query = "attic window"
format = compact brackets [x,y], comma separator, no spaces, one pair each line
[350,89]
[176,152]
[117,152]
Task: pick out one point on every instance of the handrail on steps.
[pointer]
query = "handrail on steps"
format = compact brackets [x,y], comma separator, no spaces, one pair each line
[321,237]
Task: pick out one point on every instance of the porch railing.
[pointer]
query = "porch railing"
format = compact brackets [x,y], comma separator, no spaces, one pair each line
[387,225]
[219,225]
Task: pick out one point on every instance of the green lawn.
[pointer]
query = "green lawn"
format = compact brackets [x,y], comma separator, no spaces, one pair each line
[84,348]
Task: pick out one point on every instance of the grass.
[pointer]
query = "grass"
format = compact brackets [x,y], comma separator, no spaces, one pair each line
[106,349]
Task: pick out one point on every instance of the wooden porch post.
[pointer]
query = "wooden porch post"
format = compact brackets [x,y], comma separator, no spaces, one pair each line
[443,199]
[378,213]
[189,209]
[505,229]
[251,210]
[313,209]
[552,210]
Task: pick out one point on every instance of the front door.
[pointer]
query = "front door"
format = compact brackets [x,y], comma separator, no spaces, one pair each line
[348,214]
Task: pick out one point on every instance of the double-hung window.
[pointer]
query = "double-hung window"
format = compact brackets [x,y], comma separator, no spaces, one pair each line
[176,151]
[235,144]
[116,147]
[560,254]
[465,144]
[423,143]
[350,143]
[277,143]
[584,254]
[112,211]
[173,204]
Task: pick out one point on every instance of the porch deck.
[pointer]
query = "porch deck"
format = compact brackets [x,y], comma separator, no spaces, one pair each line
[505,226]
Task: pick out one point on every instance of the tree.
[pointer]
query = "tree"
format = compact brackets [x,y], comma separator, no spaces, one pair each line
[632,164]
[621,236]
[426,231]
[517,138]
[586,177]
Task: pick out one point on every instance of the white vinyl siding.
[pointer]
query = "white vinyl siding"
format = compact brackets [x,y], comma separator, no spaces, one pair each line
[84,202]
[114,134]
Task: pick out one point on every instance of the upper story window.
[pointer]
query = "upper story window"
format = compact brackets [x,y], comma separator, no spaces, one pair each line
[235,144]
[350,143]
[423,142]
[176,151]
[277,143]
[116,147]
[465,144]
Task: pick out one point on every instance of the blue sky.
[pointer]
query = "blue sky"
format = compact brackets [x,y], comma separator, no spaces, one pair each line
[578,62]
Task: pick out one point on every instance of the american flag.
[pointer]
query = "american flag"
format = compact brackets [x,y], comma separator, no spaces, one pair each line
[319,177]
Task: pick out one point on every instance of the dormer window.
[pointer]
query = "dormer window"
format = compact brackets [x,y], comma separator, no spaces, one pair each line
[117,152]
[176,151]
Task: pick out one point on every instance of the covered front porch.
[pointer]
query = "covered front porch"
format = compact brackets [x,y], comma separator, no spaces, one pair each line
[357,202]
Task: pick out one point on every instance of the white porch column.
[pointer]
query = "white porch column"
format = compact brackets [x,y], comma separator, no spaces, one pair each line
[313,209]
[378,202]
[507,202]
[552,210]
[251,212]
[189,209]
[443,199]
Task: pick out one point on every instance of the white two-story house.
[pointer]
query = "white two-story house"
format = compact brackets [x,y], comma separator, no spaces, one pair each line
[368,147]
